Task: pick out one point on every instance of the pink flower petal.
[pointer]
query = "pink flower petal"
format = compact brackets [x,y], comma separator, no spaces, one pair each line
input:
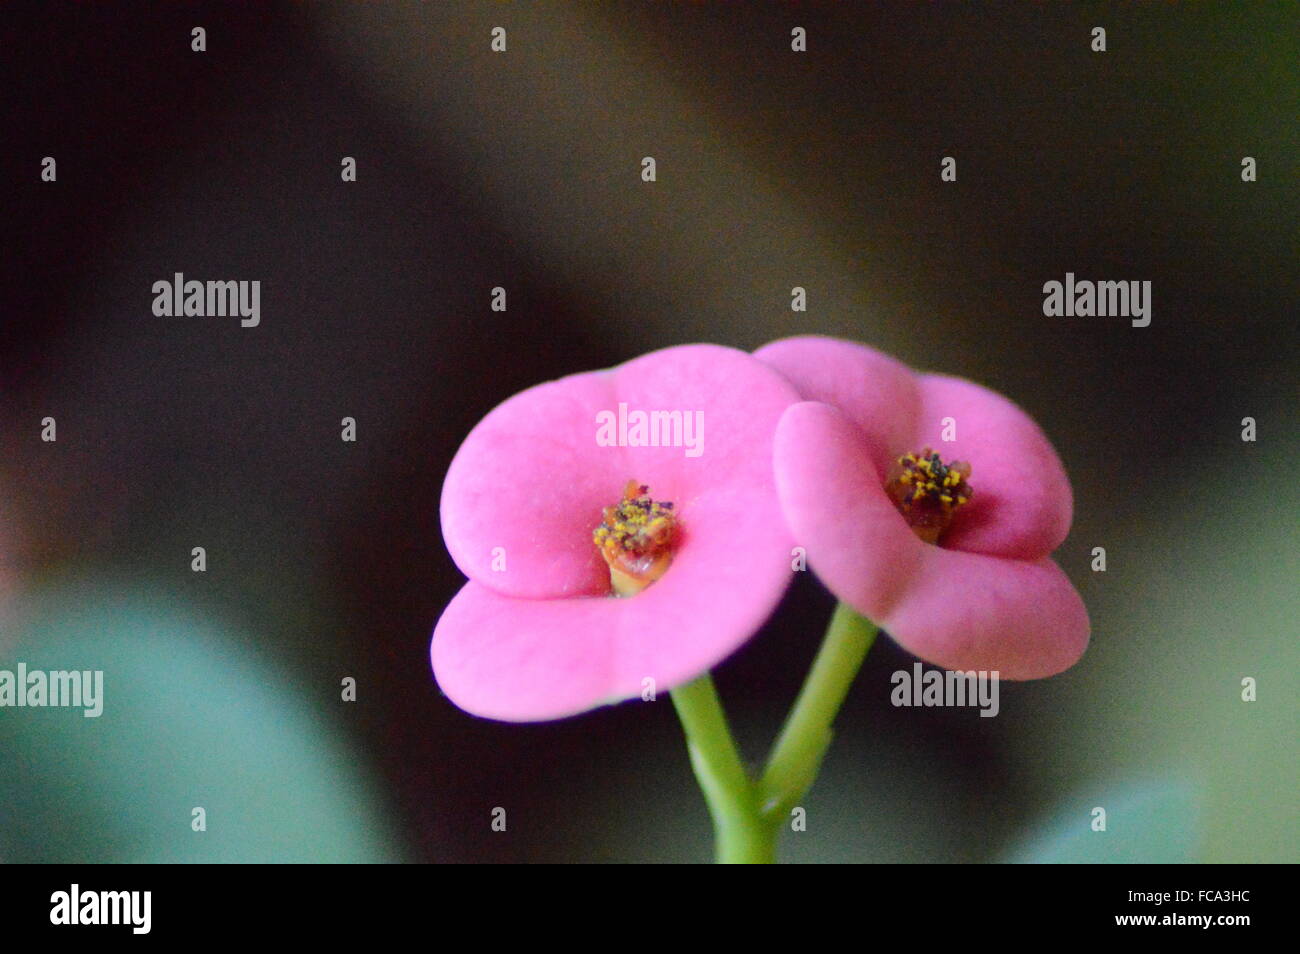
[966,611]
[957,609]
[876,392]
[837,509]
[1022,505]
[529,660]
[531,479]
[527,488]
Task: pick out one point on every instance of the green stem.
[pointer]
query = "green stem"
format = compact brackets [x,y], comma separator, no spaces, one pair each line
[801,746]
[742,834]
[748,814]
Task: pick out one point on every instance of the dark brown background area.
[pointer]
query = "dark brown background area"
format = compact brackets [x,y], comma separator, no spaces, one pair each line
[775,169]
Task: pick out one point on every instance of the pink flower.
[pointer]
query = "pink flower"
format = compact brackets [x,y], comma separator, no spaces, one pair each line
[535,633]
[989,597]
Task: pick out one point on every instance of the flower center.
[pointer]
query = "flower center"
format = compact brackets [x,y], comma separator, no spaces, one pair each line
[928,492]
[636,539]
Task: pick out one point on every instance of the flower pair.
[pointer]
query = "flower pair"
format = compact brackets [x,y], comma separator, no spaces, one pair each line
[551,510]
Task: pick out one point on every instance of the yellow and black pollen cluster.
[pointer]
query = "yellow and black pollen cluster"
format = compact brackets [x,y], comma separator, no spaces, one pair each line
[636,538]
[928,492]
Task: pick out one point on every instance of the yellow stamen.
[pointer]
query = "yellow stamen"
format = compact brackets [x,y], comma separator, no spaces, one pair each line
[636,539]
[915,483]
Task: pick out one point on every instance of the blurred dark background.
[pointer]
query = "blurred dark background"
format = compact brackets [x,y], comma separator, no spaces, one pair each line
[522,169]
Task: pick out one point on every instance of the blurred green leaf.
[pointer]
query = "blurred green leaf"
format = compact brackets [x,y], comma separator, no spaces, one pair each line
[1149,822]
[190,719]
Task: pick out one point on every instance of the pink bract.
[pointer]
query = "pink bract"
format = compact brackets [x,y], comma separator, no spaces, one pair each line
[541,639]
[989,597]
